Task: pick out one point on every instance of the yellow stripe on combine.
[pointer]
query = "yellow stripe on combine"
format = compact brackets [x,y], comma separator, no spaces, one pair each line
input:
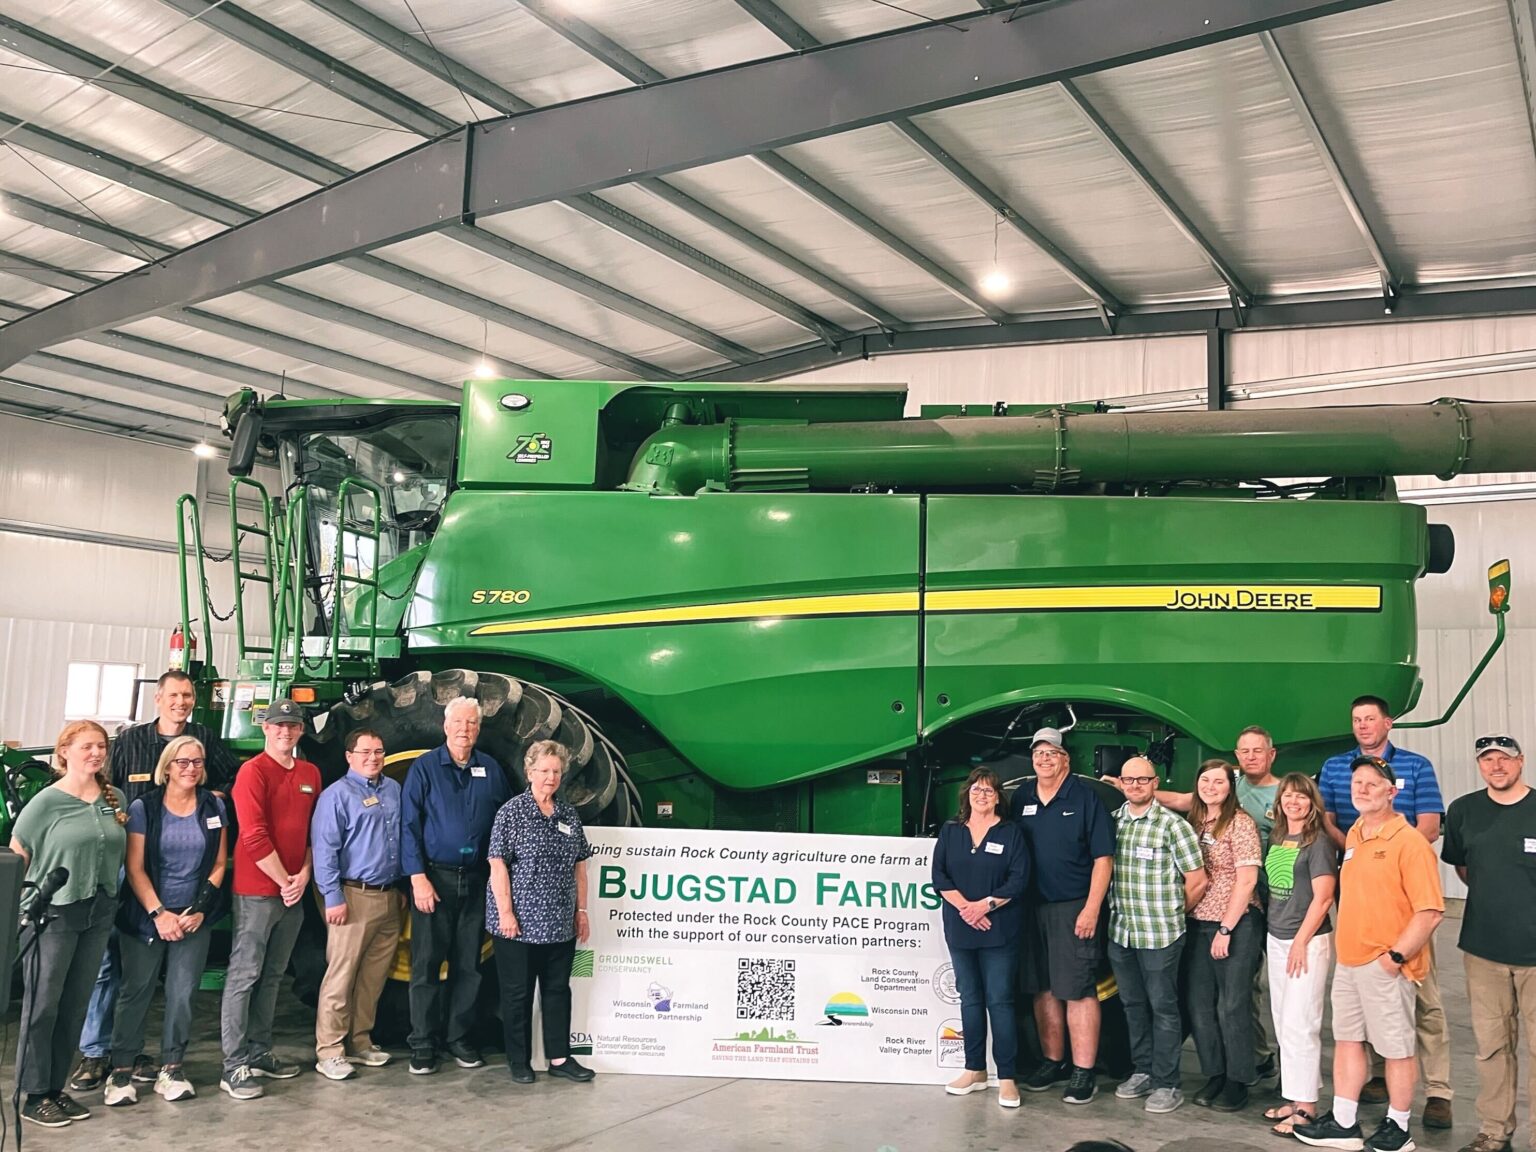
[859,604]
[1171,597]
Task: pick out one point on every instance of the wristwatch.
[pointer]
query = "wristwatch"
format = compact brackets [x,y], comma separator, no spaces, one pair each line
[1397,957]
[157,912]
[1223,930]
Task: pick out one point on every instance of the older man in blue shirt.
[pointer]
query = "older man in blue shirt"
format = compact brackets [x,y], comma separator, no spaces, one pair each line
[451,797]
[355,834]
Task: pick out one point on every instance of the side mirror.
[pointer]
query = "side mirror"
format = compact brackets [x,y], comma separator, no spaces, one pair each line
[242,448]
[1498,588]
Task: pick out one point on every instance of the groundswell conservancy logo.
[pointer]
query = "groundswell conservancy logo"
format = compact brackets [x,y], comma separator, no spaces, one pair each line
[584,963]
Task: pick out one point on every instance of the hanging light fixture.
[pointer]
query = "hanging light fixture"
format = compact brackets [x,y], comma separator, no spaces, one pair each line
[996,282]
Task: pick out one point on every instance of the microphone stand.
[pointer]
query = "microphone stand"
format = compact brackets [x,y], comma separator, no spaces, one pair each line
[31,954]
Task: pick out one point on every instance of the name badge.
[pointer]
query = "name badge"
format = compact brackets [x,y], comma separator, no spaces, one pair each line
[1145,853]
[1030,809]
[214,822]
[1400,784]
[477,771]
[370,801]
[1349,855]
[1207,838]
[569,831]
[140,777]
[994,849]
[1530,844]
[307,789]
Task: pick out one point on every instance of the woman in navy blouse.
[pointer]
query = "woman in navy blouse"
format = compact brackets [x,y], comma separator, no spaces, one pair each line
[980,869]
[536,912]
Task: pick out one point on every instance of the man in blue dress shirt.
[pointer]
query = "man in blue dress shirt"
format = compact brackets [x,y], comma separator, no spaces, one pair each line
[355,834]
[451,796]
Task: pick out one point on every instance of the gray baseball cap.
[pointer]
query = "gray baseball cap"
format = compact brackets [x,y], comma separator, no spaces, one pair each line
[1047,736]
[1498,742]
[283,711]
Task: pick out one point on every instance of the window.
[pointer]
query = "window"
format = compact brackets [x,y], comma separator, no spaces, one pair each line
[98,691]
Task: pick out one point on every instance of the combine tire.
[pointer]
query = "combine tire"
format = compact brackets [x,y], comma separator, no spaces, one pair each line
[408,714]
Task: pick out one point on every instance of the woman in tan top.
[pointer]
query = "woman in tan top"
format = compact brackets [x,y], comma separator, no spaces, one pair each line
[1226,940]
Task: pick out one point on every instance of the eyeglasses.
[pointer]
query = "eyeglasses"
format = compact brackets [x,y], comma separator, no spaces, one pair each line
[368,753]
[1137,779]
[982,790]
[186,762]
[1496,742]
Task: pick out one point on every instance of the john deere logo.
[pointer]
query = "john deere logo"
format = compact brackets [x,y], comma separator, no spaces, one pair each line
[531,449]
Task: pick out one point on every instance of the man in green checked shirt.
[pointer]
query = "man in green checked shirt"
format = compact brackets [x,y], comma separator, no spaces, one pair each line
[1159,875]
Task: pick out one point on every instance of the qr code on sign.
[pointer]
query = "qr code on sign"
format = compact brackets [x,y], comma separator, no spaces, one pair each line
[765,989]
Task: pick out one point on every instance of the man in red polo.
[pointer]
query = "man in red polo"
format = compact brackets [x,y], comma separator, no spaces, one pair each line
[274,794]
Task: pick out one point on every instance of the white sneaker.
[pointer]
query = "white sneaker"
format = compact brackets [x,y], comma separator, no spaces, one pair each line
[371,1058]
[173,1085]
[335,1068]
[119,1089]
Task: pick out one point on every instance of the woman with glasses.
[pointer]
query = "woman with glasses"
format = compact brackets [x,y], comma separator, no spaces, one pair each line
[1225,940]
[177,849]
[1302,867]
[980,870]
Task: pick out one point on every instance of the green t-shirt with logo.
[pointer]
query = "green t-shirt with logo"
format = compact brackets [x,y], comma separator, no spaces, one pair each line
[1290,867]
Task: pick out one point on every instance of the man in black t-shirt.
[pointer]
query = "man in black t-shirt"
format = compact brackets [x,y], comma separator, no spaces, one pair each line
[1490,838]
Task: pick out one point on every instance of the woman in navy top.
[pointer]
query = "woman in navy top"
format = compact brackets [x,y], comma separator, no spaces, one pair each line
[536,912]
[980,869]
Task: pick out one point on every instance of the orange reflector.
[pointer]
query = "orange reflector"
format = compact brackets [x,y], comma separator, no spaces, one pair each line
[303,695]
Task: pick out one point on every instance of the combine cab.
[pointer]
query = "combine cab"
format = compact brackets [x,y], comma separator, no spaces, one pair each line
[787,607]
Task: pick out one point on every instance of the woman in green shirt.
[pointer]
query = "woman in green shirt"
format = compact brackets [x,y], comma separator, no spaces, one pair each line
[75,823]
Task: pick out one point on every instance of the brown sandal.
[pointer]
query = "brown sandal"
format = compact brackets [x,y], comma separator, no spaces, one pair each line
[1287,1125]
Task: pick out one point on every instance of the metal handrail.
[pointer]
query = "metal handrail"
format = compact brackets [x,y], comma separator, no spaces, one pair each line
[187,511]
[237,531]
[339,577]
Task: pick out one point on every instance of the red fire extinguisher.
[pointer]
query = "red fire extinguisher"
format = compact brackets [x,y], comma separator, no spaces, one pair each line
[183,650]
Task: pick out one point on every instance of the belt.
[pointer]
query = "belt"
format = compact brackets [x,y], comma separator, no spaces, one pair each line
[366,887]
[473,870]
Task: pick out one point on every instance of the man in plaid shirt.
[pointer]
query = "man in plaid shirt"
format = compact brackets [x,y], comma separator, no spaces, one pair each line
[1159,875]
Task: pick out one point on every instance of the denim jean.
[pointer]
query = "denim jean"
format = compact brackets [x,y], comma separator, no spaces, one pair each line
[265,932]
[58,977]
[985,979]
[1221,995]
[96,1036]
[183,962]
[1149,993]
[453,933]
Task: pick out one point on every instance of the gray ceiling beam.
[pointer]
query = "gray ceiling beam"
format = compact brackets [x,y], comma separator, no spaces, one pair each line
[85,370]
[675,196]
[777,21]
[644,232]
[1325,153]
[55,406]
[1179,218]
[271,42]
[1192,320]
[817,191]
[590,40]
[638,132]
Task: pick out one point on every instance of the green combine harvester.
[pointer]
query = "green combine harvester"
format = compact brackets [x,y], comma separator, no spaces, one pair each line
[787,607]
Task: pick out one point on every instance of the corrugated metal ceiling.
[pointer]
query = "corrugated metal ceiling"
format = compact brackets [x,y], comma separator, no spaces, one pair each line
[1157,183]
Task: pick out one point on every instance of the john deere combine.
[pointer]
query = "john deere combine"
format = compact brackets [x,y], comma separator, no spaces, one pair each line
[788,607]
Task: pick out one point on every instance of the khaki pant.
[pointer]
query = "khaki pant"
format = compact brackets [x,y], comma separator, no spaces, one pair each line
[1434,1036]
[358,957]
[1503,1000]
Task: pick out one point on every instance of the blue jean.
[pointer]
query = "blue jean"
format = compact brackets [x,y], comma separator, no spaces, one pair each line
[1220,997]
[1149,993]
[96,1036]
[182,961]
[985,979]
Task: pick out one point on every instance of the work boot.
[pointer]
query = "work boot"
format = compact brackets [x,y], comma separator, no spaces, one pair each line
[1375,1091]
[1487,1143]
[1437,1113]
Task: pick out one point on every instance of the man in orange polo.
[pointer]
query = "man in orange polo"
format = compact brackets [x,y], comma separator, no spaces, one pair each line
[1390,903]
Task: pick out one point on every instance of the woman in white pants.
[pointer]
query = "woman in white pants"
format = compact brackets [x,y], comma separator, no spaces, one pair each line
[1302,867]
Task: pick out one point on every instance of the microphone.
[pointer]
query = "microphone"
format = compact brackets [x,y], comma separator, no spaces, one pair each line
[47,888]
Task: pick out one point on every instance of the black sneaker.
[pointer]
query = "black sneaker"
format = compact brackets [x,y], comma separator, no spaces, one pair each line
[71,1107]
[1326,1132]
[1047,1074]
[569,1069]
[423,1061]
[90,1074]
[1082,1087]
[145,1070]
[1211,1091]
[465,1056]
[1233,1098]
[1388,1137]
[46,1112]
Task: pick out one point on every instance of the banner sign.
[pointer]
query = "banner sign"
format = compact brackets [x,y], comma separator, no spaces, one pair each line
[762,954]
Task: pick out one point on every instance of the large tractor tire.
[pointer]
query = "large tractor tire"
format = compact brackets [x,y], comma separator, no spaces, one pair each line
[408,715]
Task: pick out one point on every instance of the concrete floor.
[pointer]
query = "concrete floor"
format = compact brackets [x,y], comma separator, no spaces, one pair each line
[387,1109]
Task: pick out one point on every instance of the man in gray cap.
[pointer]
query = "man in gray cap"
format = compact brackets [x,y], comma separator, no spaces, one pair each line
[1490,839]
[1072,844]
[274,794]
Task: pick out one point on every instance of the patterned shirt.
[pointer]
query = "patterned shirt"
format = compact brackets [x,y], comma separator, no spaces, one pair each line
[1418,791]
[1237,847]
[541,853]
[1152,853]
